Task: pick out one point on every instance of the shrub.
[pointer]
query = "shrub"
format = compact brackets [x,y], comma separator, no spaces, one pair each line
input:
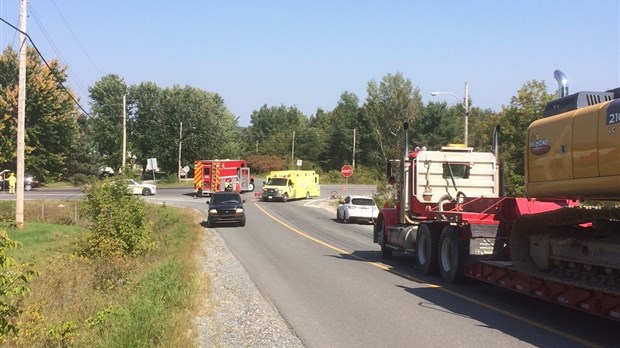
[14,280]
[118,220]
[265,163]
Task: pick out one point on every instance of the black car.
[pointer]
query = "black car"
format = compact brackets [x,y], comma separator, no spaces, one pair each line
[226,208]
[29,183]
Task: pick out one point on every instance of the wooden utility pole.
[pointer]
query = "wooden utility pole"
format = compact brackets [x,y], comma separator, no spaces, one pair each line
[124,146]
[353,148]
[21,119]
[293,151]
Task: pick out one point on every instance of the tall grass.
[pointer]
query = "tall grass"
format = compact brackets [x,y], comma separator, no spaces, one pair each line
[147,301]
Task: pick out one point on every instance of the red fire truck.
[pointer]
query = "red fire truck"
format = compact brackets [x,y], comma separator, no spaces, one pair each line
[221,175]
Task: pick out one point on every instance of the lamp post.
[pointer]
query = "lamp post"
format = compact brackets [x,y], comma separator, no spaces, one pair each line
[465,105]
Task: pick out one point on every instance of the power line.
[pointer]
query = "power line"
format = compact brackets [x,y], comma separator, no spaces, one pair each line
[76,39]
[58,79]
[55,49]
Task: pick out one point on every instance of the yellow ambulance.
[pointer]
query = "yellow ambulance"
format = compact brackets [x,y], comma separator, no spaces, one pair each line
[283,185]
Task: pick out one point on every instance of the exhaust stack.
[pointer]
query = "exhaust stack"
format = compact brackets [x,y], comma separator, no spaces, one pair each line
[404,185]
[562,83]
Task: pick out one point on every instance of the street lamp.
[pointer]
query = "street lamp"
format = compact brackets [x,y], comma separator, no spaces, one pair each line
[465,104]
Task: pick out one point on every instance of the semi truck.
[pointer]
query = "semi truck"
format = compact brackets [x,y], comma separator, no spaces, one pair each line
[283,185]
[560,243]
[222,175]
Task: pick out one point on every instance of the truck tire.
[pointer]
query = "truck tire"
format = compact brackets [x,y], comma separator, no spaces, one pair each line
[426,250]
[242,223]
[386,253]
[251,187]
[285,197]
[451,258]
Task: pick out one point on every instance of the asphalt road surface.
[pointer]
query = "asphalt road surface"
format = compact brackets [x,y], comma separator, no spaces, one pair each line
[328,281]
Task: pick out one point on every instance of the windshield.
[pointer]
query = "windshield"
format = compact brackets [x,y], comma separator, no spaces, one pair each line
[226,198]
[362,201]
[277,182]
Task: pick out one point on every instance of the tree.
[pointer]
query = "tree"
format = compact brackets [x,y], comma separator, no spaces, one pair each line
[389,104]
[272,127]
[145,125]
[343,120]
[481,126]
[210,129]
[437,125]
[107,117]
[524,108]
[51,116]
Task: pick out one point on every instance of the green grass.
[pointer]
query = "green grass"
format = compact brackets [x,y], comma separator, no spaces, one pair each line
[147,301]
[41,240]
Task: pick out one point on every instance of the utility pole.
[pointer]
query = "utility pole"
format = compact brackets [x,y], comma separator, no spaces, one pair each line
[293,151]
[466,112]
[124,147]
[21,119]
[180,140]
[353,164]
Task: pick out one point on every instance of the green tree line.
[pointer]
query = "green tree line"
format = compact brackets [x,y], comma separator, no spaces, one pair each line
[62,143]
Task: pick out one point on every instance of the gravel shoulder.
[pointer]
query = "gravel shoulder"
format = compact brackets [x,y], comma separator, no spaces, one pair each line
[236,314]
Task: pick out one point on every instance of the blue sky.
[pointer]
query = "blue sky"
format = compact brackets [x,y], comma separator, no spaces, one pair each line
[307,53]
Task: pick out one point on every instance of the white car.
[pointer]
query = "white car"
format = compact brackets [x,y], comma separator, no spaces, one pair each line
[141,189]
[361,208]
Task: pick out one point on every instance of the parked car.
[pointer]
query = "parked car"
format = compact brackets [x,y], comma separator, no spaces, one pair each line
[226,208]
[359,208]
[29,182]
[141,189]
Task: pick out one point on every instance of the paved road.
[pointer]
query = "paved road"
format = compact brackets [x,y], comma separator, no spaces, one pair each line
[328,282]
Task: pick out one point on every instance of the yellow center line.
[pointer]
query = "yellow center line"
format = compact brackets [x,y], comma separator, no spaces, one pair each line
[438,287]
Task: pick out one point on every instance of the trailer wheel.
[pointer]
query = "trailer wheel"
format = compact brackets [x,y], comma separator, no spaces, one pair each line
[386,253]
[451,259]
[426,250]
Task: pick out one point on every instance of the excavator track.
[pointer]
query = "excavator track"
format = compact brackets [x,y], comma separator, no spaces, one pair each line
[582,275]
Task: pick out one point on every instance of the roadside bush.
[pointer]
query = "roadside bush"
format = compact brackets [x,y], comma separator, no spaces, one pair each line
[265,163]
[385,195]
[118,221]
[14,280]
[362,175]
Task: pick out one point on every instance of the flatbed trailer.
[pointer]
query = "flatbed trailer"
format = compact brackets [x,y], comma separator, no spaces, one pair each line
[504,274]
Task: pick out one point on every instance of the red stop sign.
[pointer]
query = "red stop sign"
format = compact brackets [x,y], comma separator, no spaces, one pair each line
[346,171]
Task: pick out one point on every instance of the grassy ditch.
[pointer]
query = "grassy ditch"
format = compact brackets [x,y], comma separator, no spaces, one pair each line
[143,301]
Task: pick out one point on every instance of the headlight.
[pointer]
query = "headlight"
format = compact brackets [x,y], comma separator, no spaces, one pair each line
[239,211]
[212,211]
